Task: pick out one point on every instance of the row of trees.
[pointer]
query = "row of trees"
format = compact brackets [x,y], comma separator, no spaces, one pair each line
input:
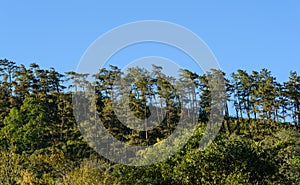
[254,95]
[146,94]
[259,95]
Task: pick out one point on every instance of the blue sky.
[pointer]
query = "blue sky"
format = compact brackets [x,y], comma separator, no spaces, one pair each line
[246,35]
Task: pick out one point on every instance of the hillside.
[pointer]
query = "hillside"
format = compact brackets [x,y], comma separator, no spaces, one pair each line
[41,143]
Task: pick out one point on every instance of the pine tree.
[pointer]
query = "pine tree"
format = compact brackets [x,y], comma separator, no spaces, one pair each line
[293,93]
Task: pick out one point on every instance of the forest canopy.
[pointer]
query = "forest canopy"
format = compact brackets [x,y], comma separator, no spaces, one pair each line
[41,143]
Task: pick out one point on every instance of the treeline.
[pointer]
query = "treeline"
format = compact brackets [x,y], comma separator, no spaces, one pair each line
[41,143]
[255,95]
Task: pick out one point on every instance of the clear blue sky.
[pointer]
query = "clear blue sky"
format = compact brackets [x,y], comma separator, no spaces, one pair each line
[248,35]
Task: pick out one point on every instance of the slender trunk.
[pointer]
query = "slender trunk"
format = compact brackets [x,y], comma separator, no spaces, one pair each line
[227,118]
[236,112]
[298,113]
[241,111]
